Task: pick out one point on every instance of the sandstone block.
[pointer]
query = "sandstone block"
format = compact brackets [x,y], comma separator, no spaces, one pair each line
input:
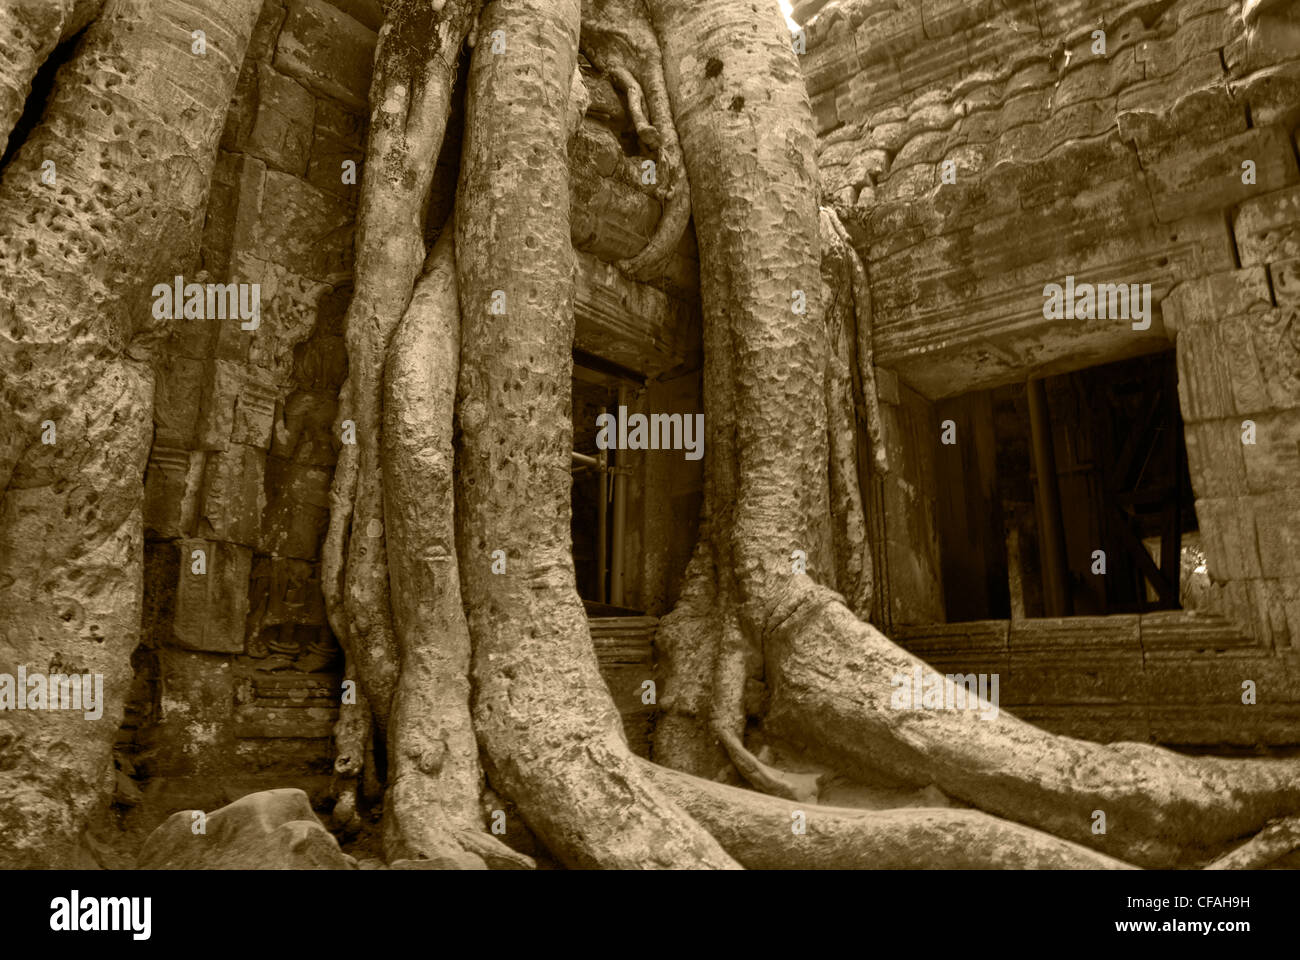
[1206,174]
[303,229]
[233,495]
[170,489]
[1273,460]
[270,830]
[243,107]
[266,31]
[1214,458]
[177,392]
[281,133]
[1267,228]
[327,50]
[193,734]
[1228,531]
[368,12]
[1277,518]
[238,407]
[211,606]
[297,514]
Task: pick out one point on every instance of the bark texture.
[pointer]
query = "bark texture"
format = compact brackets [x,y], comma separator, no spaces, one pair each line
[746,131]
[410,96]
[132,127]
[551,732]
[432,808]
[29,31]
[448,573]
[618,39]
[768,833]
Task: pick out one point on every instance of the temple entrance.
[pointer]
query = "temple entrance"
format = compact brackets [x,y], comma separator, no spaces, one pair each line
[599,522]
[1067,495]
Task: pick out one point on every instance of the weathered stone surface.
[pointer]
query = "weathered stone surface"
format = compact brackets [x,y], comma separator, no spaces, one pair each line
[171,490]
[302,229]
[630,323]
[233,495]
[271,830]
[1207,175]
[326,168]
[327,50]
[238,406]
[211,606]
[243,108]
[1267,228]
[304,434]
[281,132]
[297,513]
[1228,532]
[267,29]
[179,393]
[368,12]
[193,735]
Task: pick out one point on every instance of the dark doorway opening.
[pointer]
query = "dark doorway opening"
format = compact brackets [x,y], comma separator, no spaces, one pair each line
[1067,495]
[599,497]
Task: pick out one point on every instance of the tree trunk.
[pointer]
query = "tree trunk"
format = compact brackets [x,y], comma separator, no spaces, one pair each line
[29,31]
[445,557]
[133,150]
[551,732]
[410,96]
[745,125]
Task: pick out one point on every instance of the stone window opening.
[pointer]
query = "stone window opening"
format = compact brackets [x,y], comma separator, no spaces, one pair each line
[1068,495]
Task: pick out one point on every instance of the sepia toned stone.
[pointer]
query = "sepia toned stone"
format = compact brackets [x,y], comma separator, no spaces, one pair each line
[232,495]
[327,50]
[281,132]
[211,606]
[271,830]
[1122,167]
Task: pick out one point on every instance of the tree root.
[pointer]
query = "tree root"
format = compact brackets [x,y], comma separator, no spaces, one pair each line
[411,98]
[800,787]
[686,642]
[833,692]
[748,142]
[860,287]
[76,335]
[432,806]
[553,738]
[351,736]
[854,574]
[768,833]
[618,39]
[1268,846]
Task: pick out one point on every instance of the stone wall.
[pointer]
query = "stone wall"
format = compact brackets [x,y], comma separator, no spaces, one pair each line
[979,150]
[239,676]
[239,475]
[1116,167]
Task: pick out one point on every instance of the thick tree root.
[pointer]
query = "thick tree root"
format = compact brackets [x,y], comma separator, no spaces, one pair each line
[830,675]
[78,256]
[432,807]
[860,286]
[768,833]
[411,100]
[854,575]
[800,787]
[1268,846]
[352,731]
[832,692]
[29,31]
[618,39]
[686,642]
[542,713]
